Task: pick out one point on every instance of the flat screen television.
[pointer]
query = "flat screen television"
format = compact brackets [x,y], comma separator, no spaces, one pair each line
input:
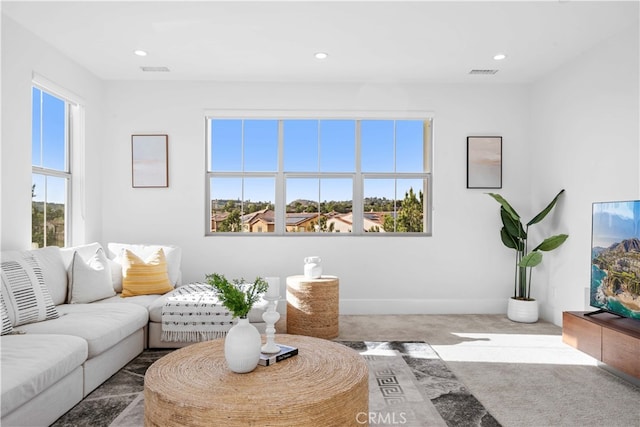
[615,258]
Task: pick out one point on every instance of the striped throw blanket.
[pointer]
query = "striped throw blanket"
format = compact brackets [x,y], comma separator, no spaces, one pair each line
[193,313]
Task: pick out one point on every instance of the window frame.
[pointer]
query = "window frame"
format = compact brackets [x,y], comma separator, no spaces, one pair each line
[73,140]
[358,176]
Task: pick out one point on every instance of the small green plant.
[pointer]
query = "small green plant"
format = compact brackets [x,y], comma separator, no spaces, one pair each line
[515,236]
[237,295]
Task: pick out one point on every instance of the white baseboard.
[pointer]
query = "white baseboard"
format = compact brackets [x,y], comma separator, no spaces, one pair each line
[423,306]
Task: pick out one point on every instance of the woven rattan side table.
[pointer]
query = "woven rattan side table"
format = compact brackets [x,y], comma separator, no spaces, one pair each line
[326,384]
[313,306]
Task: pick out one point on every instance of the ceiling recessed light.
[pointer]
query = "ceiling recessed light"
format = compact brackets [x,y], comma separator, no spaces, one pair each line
[482,72]
[499,56]
[140,52]
[155,69]
[321,55]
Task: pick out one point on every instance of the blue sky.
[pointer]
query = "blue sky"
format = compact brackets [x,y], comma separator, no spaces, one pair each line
[615,221]
[48,143]
[312,146]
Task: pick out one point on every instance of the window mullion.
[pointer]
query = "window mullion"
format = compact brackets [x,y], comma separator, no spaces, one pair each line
[67,136]
[41,129]
[395,204]
[395,179]
[319,177]
[207,208]
[280,202]
[68,189]
[357,210]
[243,172]
[44,212]
[207,185]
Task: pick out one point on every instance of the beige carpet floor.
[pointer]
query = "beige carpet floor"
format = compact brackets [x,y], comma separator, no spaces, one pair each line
[522,373]
[409,385]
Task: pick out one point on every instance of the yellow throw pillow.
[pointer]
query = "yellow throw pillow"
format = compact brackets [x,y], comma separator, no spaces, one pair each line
[147,277]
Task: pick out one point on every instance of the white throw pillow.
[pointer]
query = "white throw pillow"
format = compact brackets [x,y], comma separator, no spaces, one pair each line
[85,251]
[90,280]
[116,275]
[25,293]
[54,272]
[7,327]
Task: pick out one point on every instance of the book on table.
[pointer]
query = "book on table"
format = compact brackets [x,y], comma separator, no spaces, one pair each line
[286,351]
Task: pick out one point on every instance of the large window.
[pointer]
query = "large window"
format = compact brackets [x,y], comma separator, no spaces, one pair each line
[51,172]
[318,175]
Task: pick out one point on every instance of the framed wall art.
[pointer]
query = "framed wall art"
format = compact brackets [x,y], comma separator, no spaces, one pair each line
[484,162]
[149,161]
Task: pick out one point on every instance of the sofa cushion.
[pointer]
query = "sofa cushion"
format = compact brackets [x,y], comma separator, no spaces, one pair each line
[25,293]
[142,300]
[145,277]
[90,280]
[32,363]
[173,255]
[85,251]
[101,325]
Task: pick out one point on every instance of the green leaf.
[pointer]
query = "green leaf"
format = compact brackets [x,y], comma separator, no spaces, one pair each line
[508,240]
[531,259]
[551,243]
[238,297]
[507,207]
[536,219]
[512,226]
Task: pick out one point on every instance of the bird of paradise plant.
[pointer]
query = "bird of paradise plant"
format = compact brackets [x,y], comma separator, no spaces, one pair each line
[515,236]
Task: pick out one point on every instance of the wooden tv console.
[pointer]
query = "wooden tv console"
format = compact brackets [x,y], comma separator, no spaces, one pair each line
[611,339]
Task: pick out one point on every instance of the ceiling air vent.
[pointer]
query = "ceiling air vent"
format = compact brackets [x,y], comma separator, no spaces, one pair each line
[155,69]
[483,72]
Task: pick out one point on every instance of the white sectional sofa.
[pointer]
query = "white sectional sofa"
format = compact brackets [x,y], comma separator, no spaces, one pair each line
[49,365]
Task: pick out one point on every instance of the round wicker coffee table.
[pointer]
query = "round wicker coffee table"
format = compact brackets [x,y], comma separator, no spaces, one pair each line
[326,384]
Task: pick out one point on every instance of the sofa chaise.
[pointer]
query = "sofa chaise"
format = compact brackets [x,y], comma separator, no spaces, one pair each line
[66,328]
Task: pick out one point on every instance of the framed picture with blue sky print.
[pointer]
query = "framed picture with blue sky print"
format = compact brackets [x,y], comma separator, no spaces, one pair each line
[484,162]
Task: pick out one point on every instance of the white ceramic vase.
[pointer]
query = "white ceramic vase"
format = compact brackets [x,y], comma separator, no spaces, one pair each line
[242,347]
[522,311]
[312,267]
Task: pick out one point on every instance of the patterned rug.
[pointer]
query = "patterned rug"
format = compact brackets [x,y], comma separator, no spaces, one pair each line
[409,385]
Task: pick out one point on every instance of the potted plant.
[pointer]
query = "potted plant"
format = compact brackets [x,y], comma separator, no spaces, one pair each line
[523,308]
[242,343]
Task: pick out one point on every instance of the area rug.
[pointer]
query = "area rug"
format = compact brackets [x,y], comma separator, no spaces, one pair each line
[409,385]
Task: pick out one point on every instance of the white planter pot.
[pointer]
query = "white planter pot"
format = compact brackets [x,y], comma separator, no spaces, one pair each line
[242,347]
[522,311]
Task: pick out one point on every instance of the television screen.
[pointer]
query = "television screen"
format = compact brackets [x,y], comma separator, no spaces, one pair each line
[615,257]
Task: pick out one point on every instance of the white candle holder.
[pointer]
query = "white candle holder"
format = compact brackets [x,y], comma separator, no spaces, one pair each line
[271,316]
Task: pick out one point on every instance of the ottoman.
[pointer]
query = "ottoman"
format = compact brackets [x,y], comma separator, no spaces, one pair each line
[313,306]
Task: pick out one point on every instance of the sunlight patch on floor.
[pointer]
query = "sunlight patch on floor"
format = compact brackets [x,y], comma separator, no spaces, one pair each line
[513,348]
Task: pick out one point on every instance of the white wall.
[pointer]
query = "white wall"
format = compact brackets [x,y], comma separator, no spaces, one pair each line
[576,129]
[585,119]
[23,54]
[463,268]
